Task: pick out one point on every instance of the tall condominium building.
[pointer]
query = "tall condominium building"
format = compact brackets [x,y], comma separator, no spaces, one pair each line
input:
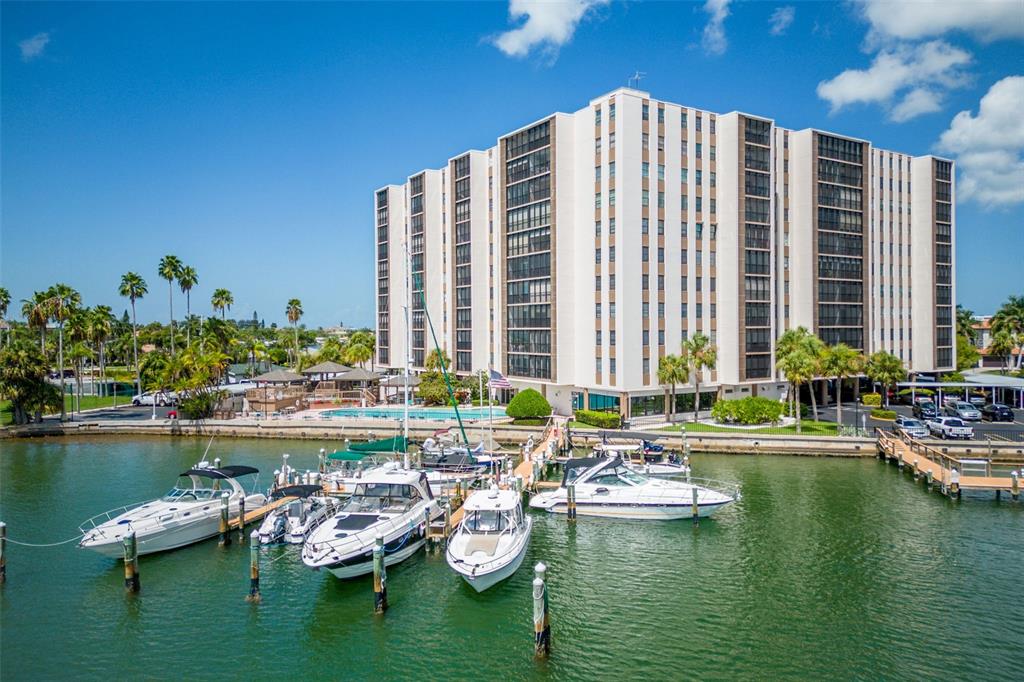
[583,247]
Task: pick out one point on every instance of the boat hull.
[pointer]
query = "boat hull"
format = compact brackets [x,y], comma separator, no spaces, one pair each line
[665,512]
[484,581]
[348,571]
[160,541]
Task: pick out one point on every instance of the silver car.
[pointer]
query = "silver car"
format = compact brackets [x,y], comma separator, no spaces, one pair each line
[963,410]
[914,428]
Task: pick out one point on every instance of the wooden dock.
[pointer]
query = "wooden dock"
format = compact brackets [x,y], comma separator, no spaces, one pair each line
[258,513]
[552,440]
[952,475]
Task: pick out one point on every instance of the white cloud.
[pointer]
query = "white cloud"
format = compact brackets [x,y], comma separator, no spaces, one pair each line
[917,76]
[548,25]
[989,147]
[780,20]
[33,47]
[713,40]
[985,19]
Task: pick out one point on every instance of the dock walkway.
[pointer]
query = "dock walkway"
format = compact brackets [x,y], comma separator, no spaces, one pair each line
[951,474]
[551,443]
[258,513]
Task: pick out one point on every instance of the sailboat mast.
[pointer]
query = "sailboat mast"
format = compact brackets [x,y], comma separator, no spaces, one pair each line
[408,344]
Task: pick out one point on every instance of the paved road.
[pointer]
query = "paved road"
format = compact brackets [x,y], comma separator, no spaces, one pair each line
[1000,431]
[133,413]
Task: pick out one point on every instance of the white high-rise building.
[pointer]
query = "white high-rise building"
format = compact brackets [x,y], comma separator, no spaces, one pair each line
[583,247]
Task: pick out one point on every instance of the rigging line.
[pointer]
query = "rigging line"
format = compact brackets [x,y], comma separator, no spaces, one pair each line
[45,544]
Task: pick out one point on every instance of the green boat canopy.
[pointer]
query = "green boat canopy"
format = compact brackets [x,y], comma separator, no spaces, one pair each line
[396,444]
[347,456]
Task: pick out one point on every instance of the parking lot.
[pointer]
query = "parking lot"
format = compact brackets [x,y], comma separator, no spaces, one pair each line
[999,431]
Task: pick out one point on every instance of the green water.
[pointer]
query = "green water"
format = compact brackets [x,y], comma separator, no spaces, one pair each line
[826,569]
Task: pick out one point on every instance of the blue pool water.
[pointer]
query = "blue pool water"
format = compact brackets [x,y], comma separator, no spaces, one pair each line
[435,413]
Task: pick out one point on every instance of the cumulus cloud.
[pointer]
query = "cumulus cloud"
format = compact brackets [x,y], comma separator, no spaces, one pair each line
[33,47]
[907,80]
[546,25]
[713,39]
[987,20]
[780,20]
[989,146]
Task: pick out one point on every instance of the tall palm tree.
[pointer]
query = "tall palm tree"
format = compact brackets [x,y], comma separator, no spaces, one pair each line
[133,287]
[35,310]
[790,341]
[357,353]
[799,367]
[101,326]
[698,355]
[840,361]
[170,269]
[294,312]
[886,369]
[63,302]
[187,279]
[671,371]
[965,323]
[5,301]
[1001,346]
[1010,319]
[222,300]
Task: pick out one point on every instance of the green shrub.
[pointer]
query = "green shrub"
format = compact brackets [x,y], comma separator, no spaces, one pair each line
[953,377]
[530,421]
[528,403]
[924,392]
[805,410]
[749,410]
[872,399]
[602,420]
[199,404]
[883,414]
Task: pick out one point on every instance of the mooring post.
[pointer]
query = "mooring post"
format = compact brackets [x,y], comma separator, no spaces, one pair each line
[954,483]
[380,578]
[241,520]
[694,507]
[1014,492]
[254,568]
[322,461]
[426,529]
[447,519]
[570,502]
[917,470]
[225,512]
[3,552]
[131,563]
[541,621]
[930,478]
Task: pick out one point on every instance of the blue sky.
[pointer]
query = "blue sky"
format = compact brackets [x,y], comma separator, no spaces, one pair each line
[247,138]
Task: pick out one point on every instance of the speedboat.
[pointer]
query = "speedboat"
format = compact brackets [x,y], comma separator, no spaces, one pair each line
[605,486]
[391,502]
[185,515]
[291,522]
[446,456]
[646,458]
[491,540]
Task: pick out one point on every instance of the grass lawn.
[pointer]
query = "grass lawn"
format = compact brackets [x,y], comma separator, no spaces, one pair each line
[809,428]
[89,402]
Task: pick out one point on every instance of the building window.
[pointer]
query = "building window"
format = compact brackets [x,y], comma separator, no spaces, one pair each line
[597,200]
[597,174]
[661,227]
[645,142]
[644,169]
[645,198]
[597,229]
[645,112]
[644,222]
[698,148]
[611,197]
[644,254]
[611,254]
[661,114]
[611,226]
[611,169]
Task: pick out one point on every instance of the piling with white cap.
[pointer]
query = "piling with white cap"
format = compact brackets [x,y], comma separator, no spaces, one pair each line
[254,568]
[3,552]
[570,500]
[225,535]
[380,578]
[322,460]
[694,507]
[241,520]
[541,620]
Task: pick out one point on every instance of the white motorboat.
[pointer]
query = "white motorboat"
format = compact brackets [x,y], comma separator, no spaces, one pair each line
[343,482]
[605,486]
[646,458]
[491,540]
[183,516]
[291,522]
[392,502]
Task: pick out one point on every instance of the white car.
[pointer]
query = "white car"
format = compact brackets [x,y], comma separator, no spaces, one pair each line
[150,398]
[950,427]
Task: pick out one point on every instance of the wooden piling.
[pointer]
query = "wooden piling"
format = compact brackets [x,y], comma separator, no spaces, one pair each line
[241,521]
[380,578]
[3,552]
[570,502]
[917,470]
[131,563]
[254,568]
[929,478]
[694,507]
[954,483]
[225,512]
[1014,491]
[322,461]
[541,620]
[426,529]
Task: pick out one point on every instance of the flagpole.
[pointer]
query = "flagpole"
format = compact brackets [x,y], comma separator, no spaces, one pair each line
[490,409]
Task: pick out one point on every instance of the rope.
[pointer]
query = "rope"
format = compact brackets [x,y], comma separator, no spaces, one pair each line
[48,544]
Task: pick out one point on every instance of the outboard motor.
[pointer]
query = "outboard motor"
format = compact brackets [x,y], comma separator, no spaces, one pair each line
[280,528]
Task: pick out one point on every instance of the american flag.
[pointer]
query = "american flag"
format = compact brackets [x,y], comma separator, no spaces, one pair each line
[496,380]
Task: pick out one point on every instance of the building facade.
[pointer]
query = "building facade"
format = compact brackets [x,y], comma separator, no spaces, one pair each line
[582,248]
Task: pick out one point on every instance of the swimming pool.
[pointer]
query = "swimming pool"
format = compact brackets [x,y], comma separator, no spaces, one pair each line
[435,413]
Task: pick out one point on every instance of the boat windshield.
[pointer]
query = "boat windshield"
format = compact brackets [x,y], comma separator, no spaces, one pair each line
[382,497]
[190,494]
[619,476]
[486,521]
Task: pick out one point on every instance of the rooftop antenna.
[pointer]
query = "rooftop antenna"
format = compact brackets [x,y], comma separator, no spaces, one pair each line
[634,80]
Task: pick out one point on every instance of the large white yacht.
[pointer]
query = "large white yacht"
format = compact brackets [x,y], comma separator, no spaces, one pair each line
[605,486]
[646,457]
[387,501]
[491,540]
[185,515]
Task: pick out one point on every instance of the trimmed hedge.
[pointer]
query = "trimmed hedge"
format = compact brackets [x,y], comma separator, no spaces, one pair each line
[872,399]
[602,420]
[530,421]
[528,404]
[927,392]
[749,410]
[883,414]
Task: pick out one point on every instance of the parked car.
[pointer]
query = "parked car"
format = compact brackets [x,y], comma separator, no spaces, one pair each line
[964,411]
[978,400]
[150,398]
[950,427]
[913,428]
[925,409]
[949,399]
[997,412]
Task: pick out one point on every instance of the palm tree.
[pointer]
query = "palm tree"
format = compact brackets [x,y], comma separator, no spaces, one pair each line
[101,326]
[222,300]
[1001,346]
[886,369]
[698,355]
[5,301]
[294,313]
[133,287]
[790,341]
[35,310]
[799,366]
[1010,319]
[187,279]
[170,269]
[965,323]
[840,361]
[671,371]
[357,353]
[63,302]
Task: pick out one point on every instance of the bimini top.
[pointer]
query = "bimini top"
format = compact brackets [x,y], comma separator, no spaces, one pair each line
[574,468]
[391,473]
[223,472]
[296,491]
[494,499]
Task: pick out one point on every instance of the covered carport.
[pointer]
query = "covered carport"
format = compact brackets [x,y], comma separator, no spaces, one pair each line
[998,388]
